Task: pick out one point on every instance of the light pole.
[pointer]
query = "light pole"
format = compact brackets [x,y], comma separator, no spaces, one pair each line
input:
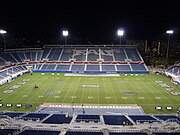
[169,32]
[65,34]
[120,33]
[3,32]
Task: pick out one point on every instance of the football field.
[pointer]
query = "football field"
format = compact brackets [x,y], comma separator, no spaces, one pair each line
[147,91]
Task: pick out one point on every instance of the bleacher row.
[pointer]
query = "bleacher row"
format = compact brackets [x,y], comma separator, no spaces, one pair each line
[174,70]
[76,60]
[114,60]
[10,73]
[89,67]
[68,54]
[81,119]
[108,119]
[44,132]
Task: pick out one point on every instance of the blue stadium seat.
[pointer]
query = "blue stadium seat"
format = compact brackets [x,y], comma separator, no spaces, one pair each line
[83,133]
[58,119]
[39,132]
[116,120]
[88,118]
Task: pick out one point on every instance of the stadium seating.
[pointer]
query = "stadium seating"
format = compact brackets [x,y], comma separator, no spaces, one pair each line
[167,117]
[116,120]
[12,114]
[7,131]
[39,132]
[51,67]
[58,119]
[108,67]
[93,54]
[174,72]
[123,67]
[67,54]
[143,118]
[46,52]
[77,67]
[21,55]
[93,68]
[83,133]
[50,124]
[88,118]
[34,116]
[72,59]
[165,133]
[55,54]
[127,133]
[80,54]
[138,67]
[63,67]
[16,56]
[119,54]
[132,54]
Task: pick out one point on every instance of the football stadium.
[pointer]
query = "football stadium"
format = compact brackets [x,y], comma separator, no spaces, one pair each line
[86,90]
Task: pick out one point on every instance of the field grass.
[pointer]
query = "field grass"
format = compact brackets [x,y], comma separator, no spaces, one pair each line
[91,90]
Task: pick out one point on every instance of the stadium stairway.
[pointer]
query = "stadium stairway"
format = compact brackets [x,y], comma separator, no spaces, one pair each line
[46,117]
[130,119]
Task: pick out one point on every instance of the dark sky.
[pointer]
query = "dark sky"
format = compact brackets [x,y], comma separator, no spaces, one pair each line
[89,18]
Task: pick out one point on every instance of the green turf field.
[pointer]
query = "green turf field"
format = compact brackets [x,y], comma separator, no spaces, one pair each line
[90,90]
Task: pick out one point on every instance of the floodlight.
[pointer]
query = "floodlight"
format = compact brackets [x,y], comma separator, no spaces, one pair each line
[65,33]
[1,105]
[3,32]
[120,32]
[169,31]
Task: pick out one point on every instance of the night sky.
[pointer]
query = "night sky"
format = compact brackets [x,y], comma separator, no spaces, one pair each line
[89,18]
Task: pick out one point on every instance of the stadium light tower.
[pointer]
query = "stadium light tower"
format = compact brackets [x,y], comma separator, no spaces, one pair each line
[3,32]
[169,32]
[120,33]
[65,34]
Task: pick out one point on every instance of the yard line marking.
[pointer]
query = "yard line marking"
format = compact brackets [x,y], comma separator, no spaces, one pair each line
[82,91]
[75,89]
[113,92]
[105,89]
[163,95]
[66,95]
